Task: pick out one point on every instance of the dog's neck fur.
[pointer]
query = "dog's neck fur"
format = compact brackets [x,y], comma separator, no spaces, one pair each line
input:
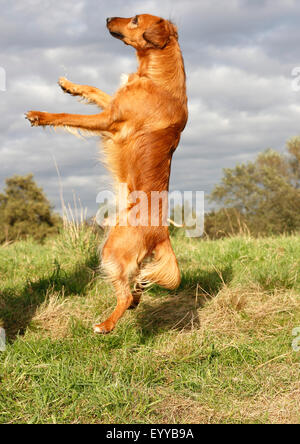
[166,67]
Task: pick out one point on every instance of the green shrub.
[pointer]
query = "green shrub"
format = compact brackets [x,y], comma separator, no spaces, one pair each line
[25,211]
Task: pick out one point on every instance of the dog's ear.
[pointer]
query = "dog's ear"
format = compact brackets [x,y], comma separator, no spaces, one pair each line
[173,30]
[158,35]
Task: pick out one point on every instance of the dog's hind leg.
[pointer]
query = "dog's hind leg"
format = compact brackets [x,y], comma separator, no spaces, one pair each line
[89,93]
[137,294]
[120,263]
[124,300]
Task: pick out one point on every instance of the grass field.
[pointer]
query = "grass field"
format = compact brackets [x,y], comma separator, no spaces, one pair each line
[217,350]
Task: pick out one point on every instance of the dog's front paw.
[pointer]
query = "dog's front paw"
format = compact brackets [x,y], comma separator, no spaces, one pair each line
[35,118]
[66,85]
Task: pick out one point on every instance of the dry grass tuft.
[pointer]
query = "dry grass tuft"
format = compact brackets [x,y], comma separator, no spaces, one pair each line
[283,408]
[236,311]
[53,317]
[176,409]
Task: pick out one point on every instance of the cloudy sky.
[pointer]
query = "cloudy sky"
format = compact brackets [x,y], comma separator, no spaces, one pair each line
[239,57]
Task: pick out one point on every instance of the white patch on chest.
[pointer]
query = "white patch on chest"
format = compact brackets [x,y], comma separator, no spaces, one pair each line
[124,79]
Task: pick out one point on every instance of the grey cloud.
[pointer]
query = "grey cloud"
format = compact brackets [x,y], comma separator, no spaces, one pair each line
[238,54]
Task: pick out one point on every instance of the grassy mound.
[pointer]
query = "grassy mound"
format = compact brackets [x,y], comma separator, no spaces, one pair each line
[217,350]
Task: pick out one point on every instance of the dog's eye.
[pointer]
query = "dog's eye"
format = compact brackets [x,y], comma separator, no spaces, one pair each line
[135,20]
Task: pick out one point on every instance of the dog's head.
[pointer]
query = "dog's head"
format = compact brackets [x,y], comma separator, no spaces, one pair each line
[142,31]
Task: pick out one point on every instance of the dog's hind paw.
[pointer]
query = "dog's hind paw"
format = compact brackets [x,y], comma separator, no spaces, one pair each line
[104,328]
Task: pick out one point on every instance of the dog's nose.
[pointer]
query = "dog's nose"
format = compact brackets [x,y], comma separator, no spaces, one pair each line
[109,19]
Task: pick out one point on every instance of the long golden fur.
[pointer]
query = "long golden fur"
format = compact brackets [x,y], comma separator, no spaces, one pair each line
[140,127]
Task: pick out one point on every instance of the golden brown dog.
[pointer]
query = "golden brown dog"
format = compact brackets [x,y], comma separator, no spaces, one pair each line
[140,127]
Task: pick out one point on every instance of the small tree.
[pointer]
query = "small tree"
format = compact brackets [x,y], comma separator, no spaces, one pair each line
[265,192]
[25,211]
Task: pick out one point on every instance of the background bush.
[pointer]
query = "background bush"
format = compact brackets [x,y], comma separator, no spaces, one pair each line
[262,197]
[25,211]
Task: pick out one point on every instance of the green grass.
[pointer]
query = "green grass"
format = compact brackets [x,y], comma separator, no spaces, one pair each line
[217,350]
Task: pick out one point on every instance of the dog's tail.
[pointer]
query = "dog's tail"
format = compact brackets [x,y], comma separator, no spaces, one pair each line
[163,270]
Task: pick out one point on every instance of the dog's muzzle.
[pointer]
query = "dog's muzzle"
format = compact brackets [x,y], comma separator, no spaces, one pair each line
[116,34]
